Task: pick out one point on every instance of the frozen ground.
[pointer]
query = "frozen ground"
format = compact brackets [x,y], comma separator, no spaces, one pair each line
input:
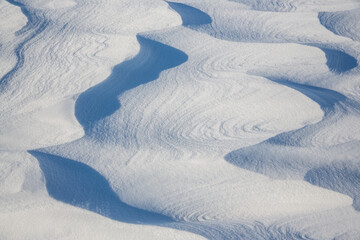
[148,119]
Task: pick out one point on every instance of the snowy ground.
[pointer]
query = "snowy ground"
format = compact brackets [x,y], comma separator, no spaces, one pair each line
[147,119]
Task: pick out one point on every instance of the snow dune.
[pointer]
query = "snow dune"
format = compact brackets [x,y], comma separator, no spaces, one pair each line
[343,23]
[85,188]
[101,101]
[11,21]
[299,5]
[179,120]
[71,54]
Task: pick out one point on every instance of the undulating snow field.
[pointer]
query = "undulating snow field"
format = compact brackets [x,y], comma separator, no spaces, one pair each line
[191,119]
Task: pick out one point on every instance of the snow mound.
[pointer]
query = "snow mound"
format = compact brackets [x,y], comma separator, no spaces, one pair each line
[186,119]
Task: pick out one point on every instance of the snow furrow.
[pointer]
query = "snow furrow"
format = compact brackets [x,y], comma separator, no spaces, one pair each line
[79,185]
[343,23]
[187,139]
[180,120]
[12,20]
[34,26]
[101,100]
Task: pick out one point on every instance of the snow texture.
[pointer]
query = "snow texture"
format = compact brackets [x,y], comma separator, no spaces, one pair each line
[183,119]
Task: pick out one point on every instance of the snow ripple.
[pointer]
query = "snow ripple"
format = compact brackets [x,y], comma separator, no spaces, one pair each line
[101,100]
[299,5]
[34,26]
[177,101]
[343,23]
[340,177]
[79,185]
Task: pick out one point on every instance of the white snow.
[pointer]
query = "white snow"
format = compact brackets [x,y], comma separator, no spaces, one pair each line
[189,119]
[11,21]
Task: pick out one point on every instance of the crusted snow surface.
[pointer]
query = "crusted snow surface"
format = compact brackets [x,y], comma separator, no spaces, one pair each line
[181,119]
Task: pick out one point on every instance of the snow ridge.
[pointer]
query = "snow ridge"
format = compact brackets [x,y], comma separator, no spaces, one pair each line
[180,120]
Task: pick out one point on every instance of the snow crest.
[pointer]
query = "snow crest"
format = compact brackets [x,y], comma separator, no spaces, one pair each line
[179,120]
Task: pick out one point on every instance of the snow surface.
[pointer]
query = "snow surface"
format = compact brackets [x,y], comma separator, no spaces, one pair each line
[227,119]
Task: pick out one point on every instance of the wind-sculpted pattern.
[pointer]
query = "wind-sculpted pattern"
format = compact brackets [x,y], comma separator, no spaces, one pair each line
[179,119]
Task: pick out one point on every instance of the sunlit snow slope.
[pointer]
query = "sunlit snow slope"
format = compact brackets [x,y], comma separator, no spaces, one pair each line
[152,119]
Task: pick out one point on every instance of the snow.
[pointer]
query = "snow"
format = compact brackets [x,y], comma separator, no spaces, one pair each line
[179,120]
[11,20]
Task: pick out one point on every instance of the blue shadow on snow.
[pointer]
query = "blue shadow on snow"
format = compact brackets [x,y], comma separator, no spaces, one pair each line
[340,177]
[255,159]
[189,15]
[35,23]
[79,185]
[326,98]
[101,100]
[339,62]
